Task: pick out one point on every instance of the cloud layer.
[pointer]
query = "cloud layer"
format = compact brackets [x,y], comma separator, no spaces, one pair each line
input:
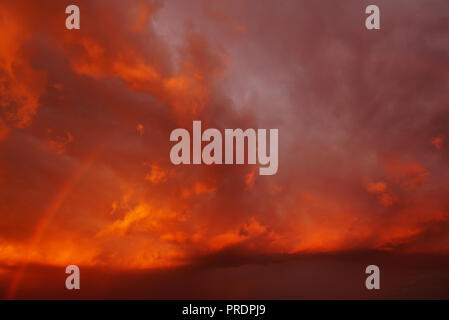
[85,119]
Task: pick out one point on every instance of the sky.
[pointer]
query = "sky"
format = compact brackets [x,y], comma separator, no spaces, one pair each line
[86,177]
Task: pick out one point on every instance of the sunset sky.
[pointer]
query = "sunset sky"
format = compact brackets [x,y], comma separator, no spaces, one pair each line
[85,172]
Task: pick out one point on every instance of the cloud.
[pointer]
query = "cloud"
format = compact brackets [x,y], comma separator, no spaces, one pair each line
[437,142]
[85,119]
[156,174]
[21,85]
[59,143]
[409,174]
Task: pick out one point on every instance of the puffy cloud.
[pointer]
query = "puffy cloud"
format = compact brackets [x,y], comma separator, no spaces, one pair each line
[437,142]
[21,85]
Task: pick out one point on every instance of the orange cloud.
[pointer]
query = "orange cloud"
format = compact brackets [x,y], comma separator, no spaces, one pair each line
[156,174]
[21,86]
[409,174]
[376,187]
[59,144]
[437,142]
[140,129]
[197,189]
[380,189]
